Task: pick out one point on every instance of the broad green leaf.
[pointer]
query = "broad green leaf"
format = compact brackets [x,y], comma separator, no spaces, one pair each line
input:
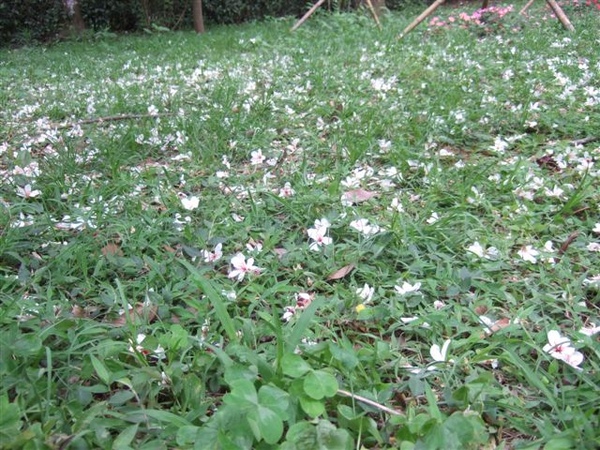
[124,439]
[269,424]
[319,384]
[330,437]
[275,399]
[314,408]
[293,365]
[26,345]
[302,435]
[187,435]
[560,443]
[312,386]
[101,370]
[347,412]
[328,381]
[242,393]
[120,397]
[240,371]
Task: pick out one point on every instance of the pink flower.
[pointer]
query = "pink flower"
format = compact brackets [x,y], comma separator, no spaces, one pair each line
[213,256]
[318,234]
[241,267]
[559,347]
[528,253]
[28,192]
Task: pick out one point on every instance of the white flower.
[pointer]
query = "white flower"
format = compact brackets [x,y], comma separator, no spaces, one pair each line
[322,223]
[158,353]
[477,249]
[440,355]
[152,110]
[596,228]
[288,313]
[241,267]
[365,293]
[590,331]
[214,255]
[593,247]
[593,281]
[528,253]
[318,235]
[229,295]
[396,206]
[559,347]
[500,145]
[257,158]
[190,202]
[438,304]
[554,192]
[286,191]
[407,288]
[433,218]
[28,192]
[363,226]
[384,145]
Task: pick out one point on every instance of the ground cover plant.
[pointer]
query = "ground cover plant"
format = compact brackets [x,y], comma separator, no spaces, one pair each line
[329,239]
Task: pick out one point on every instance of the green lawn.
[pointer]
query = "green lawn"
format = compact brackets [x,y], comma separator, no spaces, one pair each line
[327,239]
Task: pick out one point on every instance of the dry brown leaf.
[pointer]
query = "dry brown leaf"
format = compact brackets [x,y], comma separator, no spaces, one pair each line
[138,312]
[78,311]
[111,249]
[358,196]
[280,252]
[499,325]
[481,310]
[341,273]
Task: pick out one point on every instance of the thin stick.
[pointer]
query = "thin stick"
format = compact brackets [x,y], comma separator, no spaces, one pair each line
[307,15]
[560,15]
[114,119]
[369,402]
[526,7]
[375,16]
[586,140]
[565,245]
[421,18]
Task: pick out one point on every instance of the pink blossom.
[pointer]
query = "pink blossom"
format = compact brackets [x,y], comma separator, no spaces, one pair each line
[241,267]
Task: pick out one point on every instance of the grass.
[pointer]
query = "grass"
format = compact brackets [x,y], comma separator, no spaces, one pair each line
[123,324]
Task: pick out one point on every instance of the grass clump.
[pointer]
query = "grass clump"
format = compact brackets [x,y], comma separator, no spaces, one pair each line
[327,239]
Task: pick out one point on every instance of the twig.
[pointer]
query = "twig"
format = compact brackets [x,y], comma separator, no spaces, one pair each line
[114,119]
[307,15]
[421,18]
[565,245]
[586,140]
[560,15]
[369,402]
[374,14]
[526,7]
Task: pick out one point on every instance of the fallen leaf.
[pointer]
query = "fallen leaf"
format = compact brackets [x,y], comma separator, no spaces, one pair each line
[499,325]
[480,310]
[111,249]
[138,312]
[280,252]
[78,311]
[341,273]
[358,196]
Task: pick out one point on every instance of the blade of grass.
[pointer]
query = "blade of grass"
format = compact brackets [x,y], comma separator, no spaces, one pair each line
[215,299]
